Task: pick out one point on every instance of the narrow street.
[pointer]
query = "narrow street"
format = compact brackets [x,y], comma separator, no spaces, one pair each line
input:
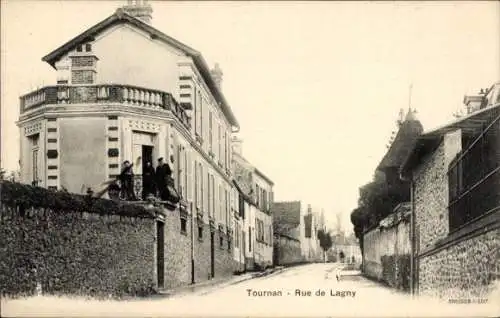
[292,292]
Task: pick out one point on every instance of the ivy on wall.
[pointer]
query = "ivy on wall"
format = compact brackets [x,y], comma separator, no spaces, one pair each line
[26,196]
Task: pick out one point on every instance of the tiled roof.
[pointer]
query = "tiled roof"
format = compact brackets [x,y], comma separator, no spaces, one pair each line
[429,141]
[403,143]
[286,212]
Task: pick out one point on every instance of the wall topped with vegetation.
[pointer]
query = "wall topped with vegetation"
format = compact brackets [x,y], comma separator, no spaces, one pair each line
[65,243]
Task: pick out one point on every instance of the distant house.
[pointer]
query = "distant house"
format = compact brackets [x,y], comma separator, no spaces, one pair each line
[310,246]
[349,246]
[255,225]
[296,233]
[455,175]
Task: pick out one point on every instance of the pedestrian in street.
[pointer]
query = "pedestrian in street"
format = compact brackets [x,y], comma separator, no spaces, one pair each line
[163,174]
[127,180]
[148,180]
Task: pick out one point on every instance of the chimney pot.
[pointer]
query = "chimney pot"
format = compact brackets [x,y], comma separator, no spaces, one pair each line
[139,9]
[217,74]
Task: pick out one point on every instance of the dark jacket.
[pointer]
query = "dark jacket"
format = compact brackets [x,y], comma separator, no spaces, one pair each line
[163,173]
[126,173]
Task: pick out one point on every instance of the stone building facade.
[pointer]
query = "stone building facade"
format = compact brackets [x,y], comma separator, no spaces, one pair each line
[110,104]
[256,195]
[455,174]
[310,246]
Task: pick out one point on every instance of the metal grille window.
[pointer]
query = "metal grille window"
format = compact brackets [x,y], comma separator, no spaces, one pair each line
[473,176]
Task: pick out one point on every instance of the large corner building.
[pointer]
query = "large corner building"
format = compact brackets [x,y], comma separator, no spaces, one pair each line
[123,90]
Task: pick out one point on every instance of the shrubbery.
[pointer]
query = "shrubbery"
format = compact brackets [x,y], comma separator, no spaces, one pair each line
[26,196]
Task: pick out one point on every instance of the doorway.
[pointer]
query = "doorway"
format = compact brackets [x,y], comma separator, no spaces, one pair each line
[147,155]
[160,253]
[212,254]
[142,152]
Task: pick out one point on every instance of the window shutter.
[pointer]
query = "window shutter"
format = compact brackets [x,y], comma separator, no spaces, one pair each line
[209,194]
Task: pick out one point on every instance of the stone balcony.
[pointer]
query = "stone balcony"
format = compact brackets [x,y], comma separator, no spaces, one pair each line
[105,93]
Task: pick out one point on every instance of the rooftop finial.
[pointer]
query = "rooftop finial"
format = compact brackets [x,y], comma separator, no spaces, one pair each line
[409,98]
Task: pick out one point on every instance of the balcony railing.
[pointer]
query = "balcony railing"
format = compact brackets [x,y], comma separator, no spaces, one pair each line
[474,178]
[106,93]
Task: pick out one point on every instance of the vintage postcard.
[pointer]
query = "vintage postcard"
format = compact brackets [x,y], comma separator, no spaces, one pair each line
[250,158]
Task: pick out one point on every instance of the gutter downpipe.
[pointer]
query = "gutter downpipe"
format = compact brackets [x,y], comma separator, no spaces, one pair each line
[413,270]
[192,243]
[412,237]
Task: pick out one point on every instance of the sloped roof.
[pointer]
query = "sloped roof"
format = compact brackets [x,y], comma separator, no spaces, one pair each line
[403,143]
[429,141]
[286,212]
[245,196]
[263,176]
[119,17]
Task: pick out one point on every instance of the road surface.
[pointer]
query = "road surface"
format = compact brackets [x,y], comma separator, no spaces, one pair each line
[305,291]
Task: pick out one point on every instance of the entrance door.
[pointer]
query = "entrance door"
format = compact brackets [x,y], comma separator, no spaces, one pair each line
[212,256]
[147,155]
[160,253]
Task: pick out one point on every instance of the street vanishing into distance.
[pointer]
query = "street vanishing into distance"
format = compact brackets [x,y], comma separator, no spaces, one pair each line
[307,290]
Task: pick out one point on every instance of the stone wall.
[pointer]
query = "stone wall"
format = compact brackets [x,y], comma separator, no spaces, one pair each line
[431,192]
[69,252]
[459,265]
[287,251]
[386,249]
[263,254]
[464,270]
[224,262]
[202,253]
[177,251]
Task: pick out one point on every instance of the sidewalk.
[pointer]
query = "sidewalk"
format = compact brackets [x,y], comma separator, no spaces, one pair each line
[207,286]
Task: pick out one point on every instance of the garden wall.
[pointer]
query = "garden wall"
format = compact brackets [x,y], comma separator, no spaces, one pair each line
[287,251]
[387,248]
[50,239]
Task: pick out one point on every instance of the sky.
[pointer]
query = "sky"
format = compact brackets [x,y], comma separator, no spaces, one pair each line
[316,86]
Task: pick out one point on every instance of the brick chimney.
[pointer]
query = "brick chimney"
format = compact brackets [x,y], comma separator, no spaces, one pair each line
[237,145]
[473,103]
[139,9]
[216,73]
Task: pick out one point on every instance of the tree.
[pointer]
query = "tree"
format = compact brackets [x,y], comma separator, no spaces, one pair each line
[325,241]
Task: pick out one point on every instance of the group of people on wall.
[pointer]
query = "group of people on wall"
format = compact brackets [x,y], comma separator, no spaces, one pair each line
[157,182]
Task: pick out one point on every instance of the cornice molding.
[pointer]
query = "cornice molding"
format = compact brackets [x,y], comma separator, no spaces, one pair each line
[113,109]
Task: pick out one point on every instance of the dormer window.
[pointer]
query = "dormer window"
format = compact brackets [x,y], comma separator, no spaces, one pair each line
[79,48]
[88,47]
